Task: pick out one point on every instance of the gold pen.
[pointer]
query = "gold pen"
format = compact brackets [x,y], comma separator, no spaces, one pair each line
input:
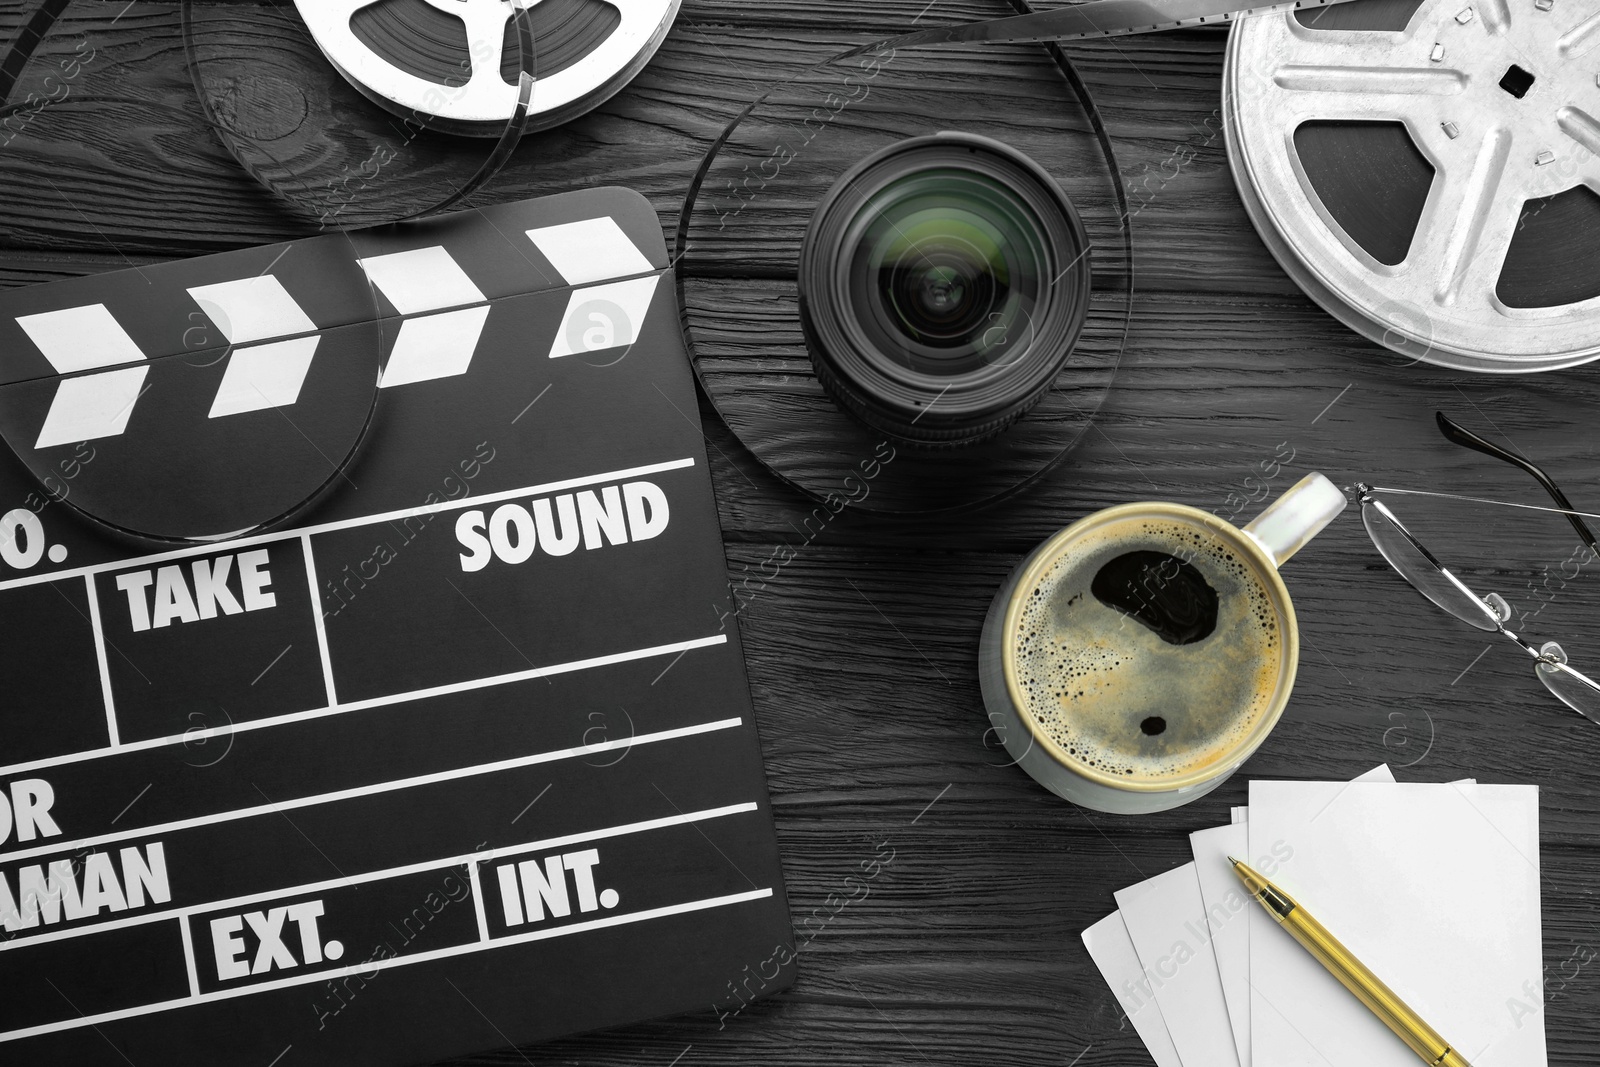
[1423,1039]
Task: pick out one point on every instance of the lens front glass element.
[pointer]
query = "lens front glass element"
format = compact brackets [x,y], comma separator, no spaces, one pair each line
[946,270]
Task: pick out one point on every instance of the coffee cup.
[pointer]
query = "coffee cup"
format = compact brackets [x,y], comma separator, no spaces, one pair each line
[1136,658]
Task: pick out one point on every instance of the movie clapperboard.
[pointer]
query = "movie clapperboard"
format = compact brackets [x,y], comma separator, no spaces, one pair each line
[370,695]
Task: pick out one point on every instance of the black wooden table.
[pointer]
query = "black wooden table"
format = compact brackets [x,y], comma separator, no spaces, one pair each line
[964,947]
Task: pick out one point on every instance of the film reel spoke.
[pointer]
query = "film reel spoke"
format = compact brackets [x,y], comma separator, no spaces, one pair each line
[1326,87]
[1589,173]
[1584,130]
[1463,235]
[1350,52]
[1580,39]
[480,93]
[1316,74]
[1496,14]
[1379,99]
[486,37]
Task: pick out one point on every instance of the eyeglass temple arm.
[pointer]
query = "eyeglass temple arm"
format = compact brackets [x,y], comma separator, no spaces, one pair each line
[1467,439]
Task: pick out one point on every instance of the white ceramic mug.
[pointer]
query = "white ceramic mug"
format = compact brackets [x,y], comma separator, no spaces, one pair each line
[1039,730]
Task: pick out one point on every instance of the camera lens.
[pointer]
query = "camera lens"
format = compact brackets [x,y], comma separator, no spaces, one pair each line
[943,282]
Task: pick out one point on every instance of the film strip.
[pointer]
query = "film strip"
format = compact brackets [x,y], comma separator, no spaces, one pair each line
[296,157]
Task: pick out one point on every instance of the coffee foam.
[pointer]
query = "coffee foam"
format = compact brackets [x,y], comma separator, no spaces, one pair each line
[1090,676]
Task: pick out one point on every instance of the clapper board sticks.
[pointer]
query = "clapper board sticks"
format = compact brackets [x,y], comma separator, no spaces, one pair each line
[368,698]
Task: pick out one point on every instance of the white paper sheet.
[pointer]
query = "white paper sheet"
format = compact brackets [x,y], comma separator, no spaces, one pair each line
[1112,951]
[1226,904]
[1166,918]
[1434,887]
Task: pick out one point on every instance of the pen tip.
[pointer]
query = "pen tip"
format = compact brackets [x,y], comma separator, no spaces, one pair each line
[1233,861]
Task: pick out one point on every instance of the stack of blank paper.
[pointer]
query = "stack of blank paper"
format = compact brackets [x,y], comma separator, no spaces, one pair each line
[1434,887]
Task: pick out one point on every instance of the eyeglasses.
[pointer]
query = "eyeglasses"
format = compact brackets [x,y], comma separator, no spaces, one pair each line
[1488,612]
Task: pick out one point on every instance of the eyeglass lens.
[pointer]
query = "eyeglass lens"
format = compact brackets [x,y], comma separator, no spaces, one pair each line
[1427,577]
[1573,688]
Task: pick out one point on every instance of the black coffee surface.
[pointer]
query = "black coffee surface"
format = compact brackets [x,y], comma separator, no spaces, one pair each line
[1150,648]
[1167,594]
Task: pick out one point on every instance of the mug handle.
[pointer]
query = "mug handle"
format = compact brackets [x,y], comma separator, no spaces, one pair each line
[1296,517]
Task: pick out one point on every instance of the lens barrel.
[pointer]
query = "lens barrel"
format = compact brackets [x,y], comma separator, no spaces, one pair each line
[943,282]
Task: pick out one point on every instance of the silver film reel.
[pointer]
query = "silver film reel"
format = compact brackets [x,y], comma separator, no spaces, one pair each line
[440,62]
[1428,172]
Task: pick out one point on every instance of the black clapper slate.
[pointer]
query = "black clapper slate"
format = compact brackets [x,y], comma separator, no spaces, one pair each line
[459,754]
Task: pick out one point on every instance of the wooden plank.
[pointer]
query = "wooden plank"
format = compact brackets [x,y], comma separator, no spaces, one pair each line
[861,649]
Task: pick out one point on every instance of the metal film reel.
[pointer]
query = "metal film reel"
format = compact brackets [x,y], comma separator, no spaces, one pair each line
[439,62]
[1430,180]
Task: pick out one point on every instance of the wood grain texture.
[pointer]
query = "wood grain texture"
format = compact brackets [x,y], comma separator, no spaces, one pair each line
[862,650]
